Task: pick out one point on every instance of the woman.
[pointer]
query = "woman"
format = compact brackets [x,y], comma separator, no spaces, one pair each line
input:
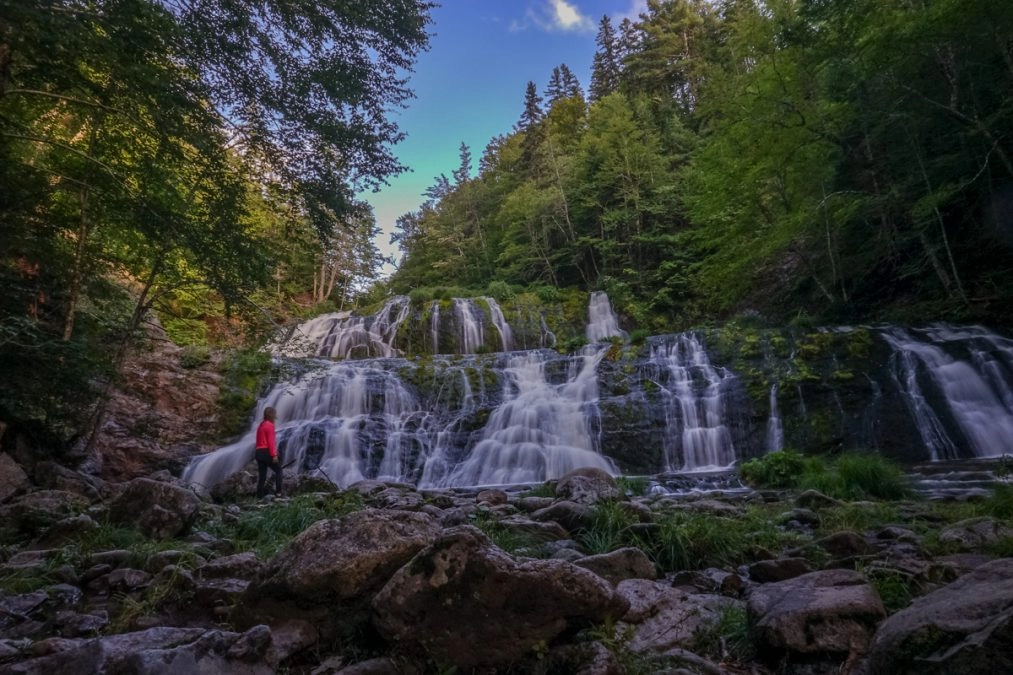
[266,454]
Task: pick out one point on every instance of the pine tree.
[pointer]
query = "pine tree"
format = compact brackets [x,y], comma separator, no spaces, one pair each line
[554,90]
[531,125]
[606,67]
[570,84]
[463,172]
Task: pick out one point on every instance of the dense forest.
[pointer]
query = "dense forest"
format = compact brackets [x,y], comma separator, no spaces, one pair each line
[199,161]
[808,160]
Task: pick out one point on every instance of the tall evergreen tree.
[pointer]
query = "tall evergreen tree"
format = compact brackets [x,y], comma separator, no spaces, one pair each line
[530,125]
[606,67]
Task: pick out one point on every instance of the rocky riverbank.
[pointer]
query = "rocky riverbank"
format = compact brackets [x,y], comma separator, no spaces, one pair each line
[581,575]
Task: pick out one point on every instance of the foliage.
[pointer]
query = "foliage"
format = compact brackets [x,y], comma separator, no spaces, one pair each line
[727,638]
[781,469]
[610,528]
[246,374]
[268,529]
[858,476]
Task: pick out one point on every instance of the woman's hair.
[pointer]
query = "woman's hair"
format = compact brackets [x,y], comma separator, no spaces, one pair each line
[270,413]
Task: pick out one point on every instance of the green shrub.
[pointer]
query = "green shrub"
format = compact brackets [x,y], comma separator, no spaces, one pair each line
[611,528]
[571,345]
[633,486]
[781,469]
[194,356]
[859,476]
[1000,503]
[547,294]
[639,336]
[419,295]
[500,290]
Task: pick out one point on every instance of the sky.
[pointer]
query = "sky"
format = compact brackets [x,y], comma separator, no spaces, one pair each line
[470,85]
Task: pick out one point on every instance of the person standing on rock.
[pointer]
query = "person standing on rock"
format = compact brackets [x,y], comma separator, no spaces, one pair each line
[266,454]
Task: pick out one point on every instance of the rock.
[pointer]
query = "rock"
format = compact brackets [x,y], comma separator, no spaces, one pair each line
[345,558]
[397,498]
[975,534]
[160,510]
[814,499]
[804,517]
[619,565]
[378,666]
[125,579]
[13,479]
[533,529]
[114,558]
[29,560]
[492,497]
[571,515]
[713,507]
[588,486]
[72,625]
[844,544]
[244,565]
[964,627]
[58,477]
[156,650]
[832,612]
[532,504]
[66,530]
[766,571]
[464,602]
[661,617]
[587,658]
[35,510]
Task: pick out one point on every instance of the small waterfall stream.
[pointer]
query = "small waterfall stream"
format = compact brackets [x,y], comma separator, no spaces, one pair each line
[469,328]
[775,429]
[602,322]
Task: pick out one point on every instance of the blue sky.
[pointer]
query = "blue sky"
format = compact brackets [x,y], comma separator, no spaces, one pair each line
[470,85]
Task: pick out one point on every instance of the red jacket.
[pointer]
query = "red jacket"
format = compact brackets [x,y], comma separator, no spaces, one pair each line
[265,437]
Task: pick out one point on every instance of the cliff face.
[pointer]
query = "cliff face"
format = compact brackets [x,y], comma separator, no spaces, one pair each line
[161,414]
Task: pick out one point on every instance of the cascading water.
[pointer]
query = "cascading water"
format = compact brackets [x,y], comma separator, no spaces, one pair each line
[434,326]
[775,430]
[602,322]
[469,328]
[696,437]
[341,335]
[541,431]
[499,321]
[955,404]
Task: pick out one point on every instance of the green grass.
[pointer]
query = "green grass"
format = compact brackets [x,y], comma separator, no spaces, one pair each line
[850,476]
[611,528]
[635,486]
[506,538]
[268,529]
[727,638]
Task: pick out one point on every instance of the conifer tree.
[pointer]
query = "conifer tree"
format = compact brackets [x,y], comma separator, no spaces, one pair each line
[606,67]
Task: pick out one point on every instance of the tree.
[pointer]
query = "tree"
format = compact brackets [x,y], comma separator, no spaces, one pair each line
[606,67]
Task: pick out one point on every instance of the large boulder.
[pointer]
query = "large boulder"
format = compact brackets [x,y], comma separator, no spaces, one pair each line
[466,603]
[975,534]
[662,618]
[828,613]
[619,565]
[964,627]
[155,651]
[35,510]
[160,510]
[344,559]
[587,486]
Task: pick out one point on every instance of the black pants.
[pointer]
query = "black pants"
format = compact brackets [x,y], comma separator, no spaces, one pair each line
[263,463]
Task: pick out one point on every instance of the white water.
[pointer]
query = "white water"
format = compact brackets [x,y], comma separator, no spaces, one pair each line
[940,388]
[696,437]
[602,322]
[506,335]
[469,329]
[340,335]
[434,326]
[775,430]
[541,431]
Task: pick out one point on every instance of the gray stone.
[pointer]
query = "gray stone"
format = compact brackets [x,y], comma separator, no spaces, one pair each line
[493,497]
[662,617]
[766,571]
[964,627]
[828,612]
[466,603]
[13,479]
[160,510]
[975,534]
[844,544]
[619,565]
[588,486]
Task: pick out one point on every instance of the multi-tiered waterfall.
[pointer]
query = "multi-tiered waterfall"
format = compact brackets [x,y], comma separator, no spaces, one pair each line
[488,415]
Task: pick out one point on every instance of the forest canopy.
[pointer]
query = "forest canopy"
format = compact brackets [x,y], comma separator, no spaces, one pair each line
[814,159]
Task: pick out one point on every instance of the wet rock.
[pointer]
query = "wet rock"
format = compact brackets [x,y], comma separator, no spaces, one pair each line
[492,497]
[964,627]
[661,617]
[571,515]
[844,544]
[619,565]
[466,603]
[831,612]
[160,510]
[588,486]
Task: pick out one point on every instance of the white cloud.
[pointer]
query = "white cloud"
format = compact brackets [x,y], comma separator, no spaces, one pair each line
[637,7]
[555,15]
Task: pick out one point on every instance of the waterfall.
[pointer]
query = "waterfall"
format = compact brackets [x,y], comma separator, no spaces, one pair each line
[955,404]
[340,335]
[469,329]
[602,322]
[694,411]
[541,431]
[499,321]
[548,338]
[775,431]
[434,326]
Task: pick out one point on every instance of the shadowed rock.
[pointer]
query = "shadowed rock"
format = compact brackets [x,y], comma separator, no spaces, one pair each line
[160,510]
[464,602]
